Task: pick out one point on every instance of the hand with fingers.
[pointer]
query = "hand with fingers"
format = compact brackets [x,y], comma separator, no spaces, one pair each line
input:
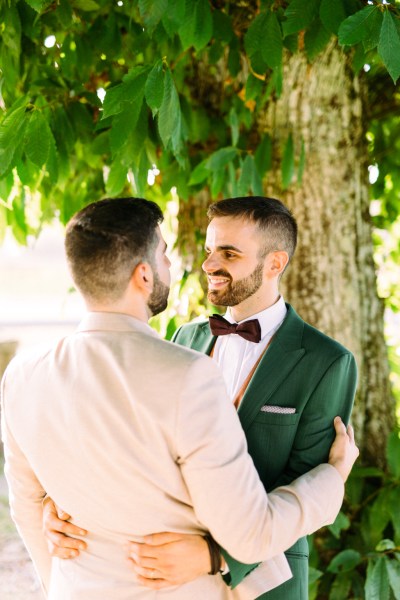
[165,559]
[343,452]
[59,533]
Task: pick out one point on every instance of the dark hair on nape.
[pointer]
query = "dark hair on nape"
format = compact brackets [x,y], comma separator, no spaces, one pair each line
[106,240]
[272,217]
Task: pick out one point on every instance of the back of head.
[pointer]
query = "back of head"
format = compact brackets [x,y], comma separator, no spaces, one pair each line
[106,240]
[273,218]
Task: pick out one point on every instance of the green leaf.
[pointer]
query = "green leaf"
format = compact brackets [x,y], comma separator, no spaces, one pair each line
[357,27]
[11,137]
[11,29]
[272,44]
[132,148]
[217,182]
[263,156]
[393,570]
[152,12]
[234,125]
[255,38]
[18,219]
[222,26]
[361,472]
[377,584]
[232,181]
[169,116]
[86,5]
[256,182]
[124,124]
[64,13]
[131,90]
[198,26]
[221,158]
[288,163]
[52,160]
[393,454]
[6,186]
[299,14]
[342,522]
[154,88]
[374,31]
[378,517]
[246,176]
[140,173]
[313,575]
[394,510]
[234,59]
[385,545]
[389,46]
[341,586]
[277,80]
[171,328]
[174,17]
[359,58]
[316,39]
[37,139]
[27,172]
[254,87]
[332,13]
[344,561]
[199,173]
[117,178]
[38,5]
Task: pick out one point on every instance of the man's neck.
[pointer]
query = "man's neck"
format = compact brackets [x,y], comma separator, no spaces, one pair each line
[245,310]
[138,312]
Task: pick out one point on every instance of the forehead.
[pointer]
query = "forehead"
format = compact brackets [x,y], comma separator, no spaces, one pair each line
[233,231]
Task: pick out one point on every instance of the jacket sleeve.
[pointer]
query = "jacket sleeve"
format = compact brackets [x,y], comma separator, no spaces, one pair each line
[227,494]
[333,396]
[26,498]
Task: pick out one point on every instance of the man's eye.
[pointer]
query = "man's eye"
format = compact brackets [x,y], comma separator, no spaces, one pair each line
[229,255]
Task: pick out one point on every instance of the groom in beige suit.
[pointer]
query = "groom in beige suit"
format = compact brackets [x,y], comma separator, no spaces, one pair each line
[131,434]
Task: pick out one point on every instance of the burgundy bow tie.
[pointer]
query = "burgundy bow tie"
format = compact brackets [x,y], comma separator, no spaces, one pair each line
[249,330]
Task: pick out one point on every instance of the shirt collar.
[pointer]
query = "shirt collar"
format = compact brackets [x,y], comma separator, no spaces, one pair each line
[269,318]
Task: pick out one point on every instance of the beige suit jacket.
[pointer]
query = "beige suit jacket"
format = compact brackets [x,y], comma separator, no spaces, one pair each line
[131,435]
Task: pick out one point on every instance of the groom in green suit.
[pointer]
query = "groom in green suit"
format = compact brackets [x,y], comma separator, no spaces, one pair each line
[287,379]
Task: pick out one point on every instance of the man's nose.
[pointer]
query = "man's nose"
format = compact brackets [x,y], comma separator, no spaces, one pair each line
[210,264]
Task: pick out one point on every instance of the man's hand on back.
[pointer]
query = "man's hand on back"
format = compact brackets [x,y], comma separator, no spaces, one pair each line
[166,559]
[343,452]
[57,531]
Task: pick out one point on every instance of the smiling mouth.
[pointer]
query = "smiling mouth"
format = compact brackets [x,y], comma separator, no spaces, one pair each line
[216,283]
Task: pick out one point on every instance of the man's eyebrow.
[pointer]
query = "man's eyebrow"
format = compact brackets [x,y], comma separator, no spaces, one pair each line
[226,247]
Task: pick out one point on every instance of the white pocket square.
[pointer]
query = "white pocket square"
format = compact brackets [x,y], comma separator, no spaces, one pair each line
[280,410]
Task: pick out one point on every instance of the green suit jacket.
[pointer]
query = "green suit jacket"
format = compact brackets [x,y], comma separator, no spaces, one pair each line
[305,370]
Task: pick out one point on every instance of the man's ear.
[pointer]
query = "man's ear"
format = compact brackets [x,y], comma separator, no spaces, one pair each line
[276,263]
[142,277]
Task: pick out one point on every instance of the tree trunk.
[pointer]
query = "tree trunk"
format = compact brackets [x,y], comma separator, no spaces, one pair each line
[332,282]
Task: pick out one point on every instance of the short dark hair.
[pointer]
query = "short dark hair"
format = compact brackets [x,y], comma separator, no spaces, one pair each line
[272,217]
[106,240]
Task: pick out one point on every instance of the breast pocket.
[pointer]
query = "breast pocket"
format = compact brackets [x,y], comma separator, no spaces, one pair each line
[270,439]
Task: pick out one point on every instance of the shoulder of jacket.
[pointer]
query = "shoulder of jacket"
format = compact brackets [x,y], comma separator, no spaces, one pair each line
[323,342]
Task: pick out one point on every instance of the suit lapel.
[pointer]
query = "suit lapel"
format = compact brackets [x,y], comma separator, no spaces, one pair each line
[284,352]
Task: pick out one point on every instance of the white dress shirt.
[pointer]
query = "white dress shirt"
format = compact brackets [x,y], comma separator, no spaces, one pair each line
[237,356]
